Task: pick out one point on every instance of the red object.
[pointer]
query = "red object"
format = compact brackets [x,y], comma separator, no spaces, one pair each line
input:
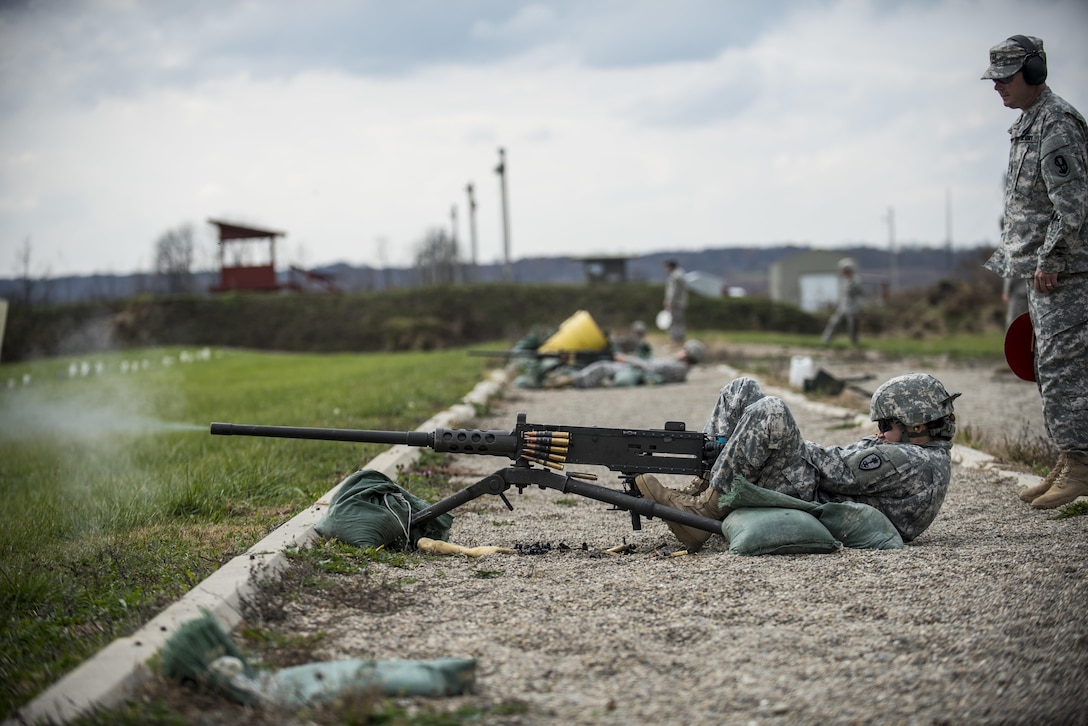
[1020,347]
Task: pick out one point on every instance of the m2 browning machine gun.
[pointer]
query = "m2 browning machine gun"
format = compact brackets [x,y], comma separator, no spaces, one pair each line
[539,451]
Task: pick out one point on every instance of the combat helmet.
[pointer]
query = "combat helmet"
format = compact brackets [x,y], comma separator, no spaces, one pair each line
[913,399]
[695,351]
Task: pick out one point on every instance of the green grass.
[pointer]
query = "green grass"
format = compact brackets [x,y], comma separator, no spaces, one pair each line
[117,500]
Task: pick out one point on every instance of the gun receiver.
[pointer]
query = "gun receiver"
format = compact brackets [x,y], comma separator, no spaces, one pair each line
[629,452]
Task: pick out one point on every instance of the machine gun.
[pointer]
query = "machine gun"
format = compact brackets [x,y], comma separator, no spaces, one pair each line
[539,451]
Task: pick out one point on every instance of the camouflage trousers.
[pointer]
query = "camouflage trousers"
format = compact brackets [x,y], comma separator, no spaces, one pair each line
[597,374]
[1060,319]
[762,442]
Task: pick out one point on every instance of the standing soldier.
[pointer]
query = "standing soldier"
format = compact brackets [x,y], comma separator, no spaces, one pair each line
[850,298]
[1044,242]
[676,301]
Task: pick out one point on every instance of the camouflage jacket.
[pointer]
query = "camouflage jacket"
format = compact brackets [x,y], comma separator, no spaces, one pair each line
[851,295]
[907,482]
[1046,193]
[676,291]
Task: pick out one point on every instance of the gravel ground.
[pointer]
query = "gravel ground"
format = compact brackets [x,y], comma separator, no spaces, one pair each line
[979,620]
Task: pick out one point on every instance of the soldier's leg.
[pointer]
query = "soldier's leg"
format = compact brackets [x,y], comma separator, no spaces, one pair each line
[1062,372]
[732,401]
[767,449]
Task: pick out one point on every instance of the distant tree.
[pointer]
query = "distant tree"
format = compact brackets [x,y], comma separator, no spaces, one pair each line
[31,285]
[437,259]
[174,259]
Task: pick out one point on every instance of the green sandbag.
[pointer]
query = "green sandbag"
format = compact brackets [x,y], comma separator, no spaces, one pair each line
[369,510]
[317,682]
[854,524]
[860,526]
[746,494]
[776,531]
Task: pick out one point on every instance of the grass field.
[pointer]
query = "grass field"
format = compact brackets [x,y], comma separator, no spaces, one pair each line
[116,500]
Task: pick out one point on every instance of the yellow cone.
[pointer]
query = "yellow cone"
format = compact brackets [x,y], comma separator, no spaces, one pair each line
[577,333]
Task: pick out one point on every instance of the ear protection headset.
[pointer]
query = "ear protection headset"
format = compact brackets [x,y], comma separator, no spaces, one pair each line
[1034,64]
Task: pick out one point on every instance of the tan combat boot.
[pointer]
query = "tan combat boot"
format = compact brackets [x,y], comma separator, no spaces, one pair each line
[697,486]
[705,505]
[1042,487]
[1070,484]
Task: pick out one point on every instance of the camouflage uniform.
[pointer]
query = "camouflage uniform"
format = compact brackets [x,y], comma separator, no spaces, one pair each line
[676,302]
[660,370]
[1046,229]
[851,295]
[907,482]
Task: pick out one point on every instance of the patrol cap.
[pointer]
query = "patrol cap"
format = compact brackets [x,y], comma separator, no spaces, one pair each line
[1007,57]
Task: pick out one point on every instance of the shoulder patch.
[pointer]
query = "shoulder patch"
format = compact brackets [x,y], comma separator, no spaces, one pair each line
[870,462]
[1060,164]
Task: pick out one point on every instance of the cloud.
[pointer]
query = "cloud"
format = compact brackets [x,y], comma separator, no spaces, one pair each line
[629,127]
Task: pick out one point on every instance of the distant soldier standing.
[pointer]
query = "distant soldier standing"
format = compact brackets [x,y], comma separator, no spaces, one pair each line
[1044,241]
[676,301]
[851,295]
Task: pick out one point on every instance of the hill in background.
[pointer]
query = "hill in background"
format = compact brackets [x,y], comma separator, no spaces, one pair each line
[745,267]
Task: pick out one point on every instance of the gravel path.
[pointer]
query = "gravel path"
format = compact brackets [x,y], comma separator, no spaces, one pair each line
[980,620]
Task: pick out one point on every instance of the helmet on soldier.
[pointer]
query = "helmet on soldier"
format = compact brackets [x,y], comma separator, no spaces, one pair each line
[914,399]
[695,351]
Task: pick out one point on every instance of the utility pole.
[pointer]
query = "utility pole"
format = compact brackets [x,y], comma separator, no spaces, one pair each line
[382,262]
[457,254]
[507,274]
[472,230]
[948,232]
[894,276]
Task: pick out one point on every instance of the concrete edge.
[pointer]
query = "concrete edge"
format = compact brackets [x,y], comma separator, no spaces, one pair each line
[106,679]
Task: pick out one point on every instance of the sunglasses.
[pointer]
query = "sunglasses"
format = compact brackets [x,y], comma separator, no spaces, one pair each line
[1007,80]
[885,425]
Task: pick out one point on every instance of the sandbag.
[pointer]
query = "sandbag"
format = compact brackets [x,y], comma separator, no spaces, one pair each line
[853,524]
[317,682]
[369,510]
[860,526]
[776,531]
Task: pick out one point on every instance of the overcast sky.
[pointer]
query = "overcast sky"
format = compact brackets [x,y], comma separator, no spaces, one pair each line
[630,126]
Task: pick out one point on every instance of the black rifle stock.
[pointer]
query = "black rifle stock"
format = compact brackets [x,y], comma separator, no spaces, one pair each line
[539,453]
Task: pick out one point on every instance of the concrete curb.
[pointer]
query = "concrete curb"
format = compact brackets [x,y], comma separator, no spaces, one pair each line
[113,674]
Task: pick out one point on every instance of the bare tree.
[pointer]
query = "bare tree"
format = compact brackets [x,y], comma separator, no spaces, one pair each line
[437,259]
[31,285]
[174,259]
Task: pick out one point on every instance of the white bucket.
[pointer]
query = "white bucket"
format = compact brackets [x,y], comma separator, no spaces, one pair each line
[801,370]
[663,321]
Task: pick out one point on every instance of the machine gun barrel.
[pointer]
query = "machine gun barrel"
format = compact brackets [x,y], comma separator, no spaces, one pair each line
[460,441]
